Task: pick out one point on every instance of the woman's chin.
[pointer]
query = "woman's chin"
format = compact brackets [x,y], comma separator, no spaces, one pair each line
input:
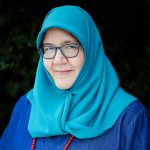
[63,85]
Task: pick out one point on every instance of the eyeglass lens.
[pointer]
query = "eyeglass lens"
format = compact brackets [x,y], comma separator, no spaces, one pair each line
[68,50]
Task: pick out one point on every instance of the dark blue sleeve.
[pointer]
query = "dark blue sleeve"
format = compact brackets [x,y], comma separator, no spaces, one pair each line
[11,127]
[137,134]
[16,129]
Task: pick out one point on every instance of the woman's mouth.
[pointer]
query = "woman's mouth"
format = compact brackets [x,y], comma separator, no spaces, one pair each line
[62,72]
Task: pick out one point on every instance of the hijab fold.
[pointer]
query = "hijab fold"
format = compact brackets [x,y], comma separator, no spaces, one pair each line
[95,100]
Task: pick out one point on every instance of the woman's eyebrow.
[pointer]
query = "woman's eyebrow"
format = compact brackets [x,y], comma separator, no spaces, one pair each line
[62,43]
[68,41]
[47,44]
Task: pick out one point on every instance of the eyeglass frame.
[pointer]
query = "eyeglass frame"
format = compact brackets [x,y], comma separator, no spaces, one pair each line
[60,48]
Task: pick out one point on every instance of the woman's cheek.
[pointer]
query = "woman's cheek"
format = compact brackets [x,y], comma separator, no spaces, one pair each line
[47,64]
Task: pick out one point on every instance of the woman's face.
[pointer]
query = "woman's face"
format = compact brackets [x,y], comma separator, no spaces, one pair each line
[63,71]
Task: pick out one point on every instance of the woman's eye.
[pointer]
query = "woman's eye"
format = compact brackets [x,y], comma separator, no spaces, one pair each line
[45,49]
[49,48]
[71,46]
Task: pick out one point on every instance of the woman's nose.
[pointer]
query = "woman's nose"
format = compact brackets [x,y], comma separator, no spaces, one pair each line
[59,58]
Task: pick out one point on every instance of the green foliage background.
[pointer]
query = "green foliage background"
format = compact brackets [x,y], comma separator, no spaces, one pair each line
[125,35]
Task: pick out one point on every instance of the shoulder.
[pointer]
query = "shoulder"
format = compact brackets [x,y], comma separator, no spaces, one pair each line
[22,101]
[134,111]
[21,108]
[22,105]
[136,106]
[129,130]
[17,126]
[134,124]
[19,113]
[134,119]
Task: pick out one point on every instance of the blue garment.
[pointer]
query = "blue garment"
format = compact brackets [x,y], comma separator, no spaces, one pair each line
[131,131]
[95,100]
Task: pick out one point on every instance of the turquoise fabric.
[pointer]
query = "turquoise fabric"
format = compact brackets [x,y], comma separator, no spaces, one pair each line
[95,100]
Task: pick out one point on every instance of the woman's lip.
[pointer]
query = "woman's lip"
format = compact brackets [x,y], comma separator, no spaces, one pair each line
[62,70]
[62,73]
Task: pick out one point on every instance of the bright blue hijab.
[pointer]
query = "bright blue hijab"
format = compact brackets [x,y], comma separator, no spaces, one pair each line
[95,100]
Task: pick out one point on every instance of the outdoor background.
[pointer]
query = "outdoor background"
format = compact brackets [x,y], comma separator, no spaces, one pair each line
[124,29]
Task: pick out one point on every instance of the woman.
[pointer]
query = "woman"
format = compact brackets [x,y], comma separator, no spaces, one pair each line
[76,102]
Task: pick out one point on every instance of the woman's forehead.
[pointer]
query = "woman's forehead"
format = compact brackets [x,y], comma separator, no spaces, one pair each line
[55,34]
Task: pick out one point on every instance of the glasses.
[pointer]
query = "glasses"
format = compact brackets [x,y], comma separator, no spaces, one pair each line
[68,50]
